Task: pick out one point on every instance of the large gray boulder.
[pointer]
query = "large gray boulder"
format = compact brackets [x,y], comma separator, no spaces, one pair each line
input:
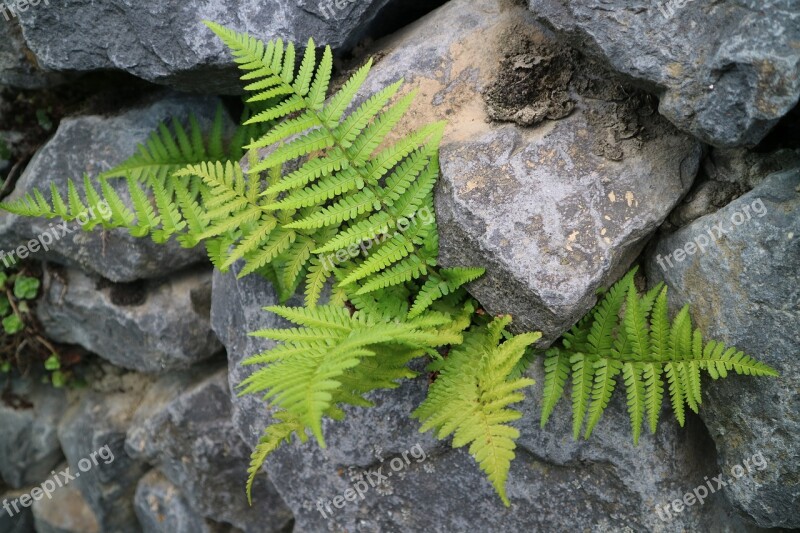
[167,42]
[743,287]
[613,484]
[553,211]
[92,435]
[184,427]
[148,326]
[734,71]
[237,309]
[18,67]
[93,144]
[29,417]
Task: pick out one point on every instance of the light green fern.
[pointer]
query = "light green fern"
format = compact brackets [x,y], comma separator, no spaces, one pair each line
[325,204]
[649,354]
[471,395]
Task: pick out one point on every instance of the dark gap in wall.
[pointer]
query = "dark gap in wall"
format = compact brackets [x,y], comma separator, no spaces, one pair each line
[785,134]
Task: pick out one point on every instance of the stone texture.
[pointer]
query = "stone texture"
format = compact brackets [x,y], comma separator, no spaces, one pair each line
[93,144]
[162,508]
[727,174]
[11,521]
[149,326]
[66,512]
[167,42]
[29,447]
[101,419]
[18,67]
[184,427]
[743,291]
[733,73]
[611,483]
[236,309]
[554,211]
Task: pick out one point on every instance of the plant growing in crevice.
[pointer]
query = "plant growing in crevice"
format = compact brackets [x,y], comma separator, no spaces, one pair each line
[322,176]
[23,346]
[630,335]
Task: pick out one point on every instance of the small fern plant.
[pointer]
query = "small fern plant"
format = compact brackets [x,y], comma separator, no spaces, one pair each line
[650,354]
[311,193]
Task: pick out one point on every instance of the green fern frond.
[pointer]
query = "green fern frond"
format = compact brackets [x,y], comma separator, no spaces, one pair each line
[471,395]
[650,353]
[307,382]
[274,436]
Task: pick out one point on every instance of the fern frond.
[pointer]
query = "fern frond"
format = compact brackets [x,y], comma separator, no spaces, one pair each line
[470,398]
[274,436]
[649,352]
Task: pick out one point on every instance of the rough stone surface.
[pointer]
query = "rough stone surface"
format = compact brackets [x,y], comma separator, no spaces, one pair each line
[93,144]
[18,67]
[98,424]
[162,508]
[184,427]
[149,326]
[236,309]
[21,522]
[66,512]
[727,174]
[555,211]
[731,76]
[29,417]
[167,42]
[744,291]
[612,483]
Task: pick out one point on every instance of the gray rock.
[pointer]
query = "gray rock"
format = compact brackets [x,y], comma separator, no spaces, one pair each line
[610,482]
[66,512]
[162,508]
[93,144]
[29,417]
[148,326]
[184,427]
[92,435]
[743,288]
[18,67]
[553,212]
[167,42]
[12,521]
[733,73]
[236,309]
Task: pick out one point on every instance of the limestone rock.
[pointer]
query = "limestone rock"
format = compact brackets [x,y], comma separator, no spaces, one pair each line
[742,286]
[93,144]
[732,74]
[148,326]
[554,211]
[29,417]
[184,427]
[167,43]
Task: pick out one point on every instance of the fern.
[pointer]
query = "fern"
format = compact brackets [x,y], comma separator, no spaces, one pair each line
[327,203]
[642,346]
[471,395]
